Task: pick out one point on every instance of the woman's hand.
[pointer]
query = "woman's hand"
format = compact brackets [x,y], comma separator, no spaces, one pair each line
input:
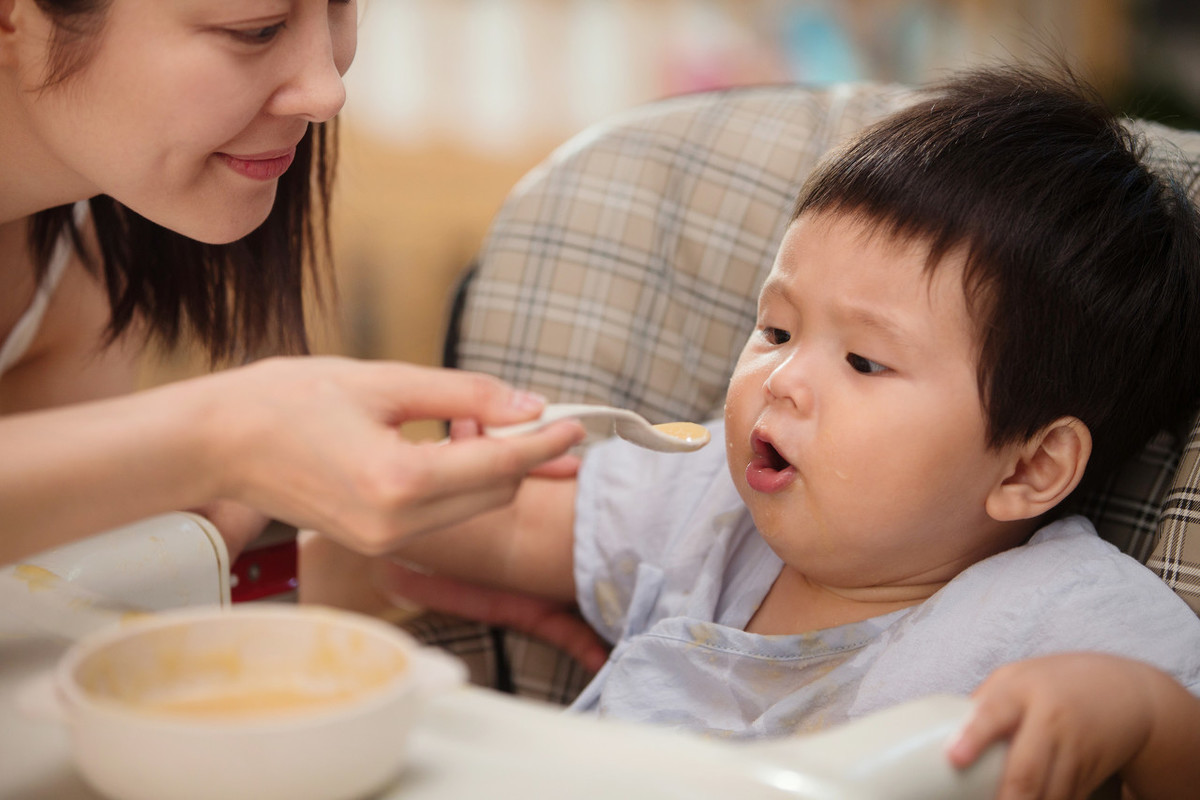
[1076,719]
[315,442]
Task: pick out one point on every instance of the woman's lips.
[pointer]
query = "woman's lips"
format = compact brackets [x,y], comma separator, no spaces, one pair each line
[768,471]
[262,167]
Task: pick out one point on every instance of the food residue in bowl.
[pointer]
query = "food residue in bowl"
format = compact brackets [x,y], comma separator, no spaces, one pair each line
[248,702]
[217,671]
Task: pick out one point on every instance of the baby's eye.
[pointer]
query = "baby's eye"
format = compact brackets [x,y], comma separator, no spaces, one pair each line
[776,335]
[864,365]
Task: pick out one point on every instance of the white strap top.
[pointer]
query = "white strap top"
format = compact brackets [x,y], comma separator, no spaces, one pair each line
[25,331]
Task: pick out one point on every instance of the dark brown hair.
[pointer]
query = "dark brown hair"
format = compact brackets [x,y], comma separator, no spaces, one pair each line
[241,299]
[1082,264]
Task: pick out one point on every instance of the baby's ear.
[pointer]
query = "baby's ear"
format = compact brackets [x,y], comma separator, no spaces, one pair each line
[1044,470]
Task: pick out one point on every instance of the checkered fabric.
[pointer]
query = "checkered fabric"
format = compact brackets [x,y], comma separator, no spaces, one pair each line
[624,270]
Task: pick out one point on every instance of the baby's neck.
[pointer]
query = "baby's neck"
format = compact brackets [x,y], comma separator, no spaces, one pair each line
[795,605]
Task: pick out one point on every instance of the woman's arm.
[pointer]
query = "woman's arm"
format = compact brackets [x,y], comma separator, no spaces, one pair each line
[69,363]
[310,441]
[313,442]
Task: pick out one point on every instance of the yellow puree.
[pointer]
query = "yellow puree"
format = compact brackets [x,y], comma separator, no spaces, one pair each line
[248,702]
[688,431]
[220,684]
[38,579]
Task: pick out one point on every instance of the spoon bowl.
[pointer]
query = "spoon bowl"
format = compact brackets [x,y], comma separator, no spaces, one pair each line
[601,422]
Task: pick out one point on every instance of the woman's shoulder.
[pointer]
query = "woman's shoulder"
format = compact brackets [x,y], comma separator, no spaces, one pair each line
[68,357]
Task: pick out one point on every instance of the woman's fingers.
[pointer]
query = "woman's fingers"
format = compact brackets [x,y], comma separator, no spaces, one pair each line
[407,392]
[321,449]
[479,461]
[562,467]
[464,428]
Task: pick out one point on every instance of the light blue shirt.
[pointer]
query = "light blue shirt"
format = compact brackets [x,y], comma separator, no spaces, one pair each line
[670,569]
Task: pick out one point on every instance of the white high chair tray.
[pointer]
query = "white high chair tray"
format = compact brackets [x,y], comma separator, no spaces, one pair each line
[466,741]
[474,742]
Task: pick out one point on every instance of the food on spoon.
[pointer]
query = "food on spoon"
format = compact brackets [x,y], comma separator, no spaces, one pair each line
[687,431]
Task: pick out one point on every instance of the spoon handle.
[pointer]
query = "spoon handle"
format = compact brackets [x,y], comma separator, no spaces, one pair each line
[601,422]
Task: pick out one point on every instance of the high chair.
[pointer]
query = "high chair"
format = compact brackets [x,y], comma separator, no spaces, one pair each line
[624,270]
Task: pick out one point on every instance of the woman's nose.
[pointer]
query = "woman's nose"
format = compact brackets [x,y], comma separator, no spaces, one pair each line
[791,382]
[315,90]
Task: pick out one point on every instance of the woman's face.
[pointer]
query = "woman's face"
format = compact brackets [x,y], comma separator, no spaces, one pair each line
[188,111]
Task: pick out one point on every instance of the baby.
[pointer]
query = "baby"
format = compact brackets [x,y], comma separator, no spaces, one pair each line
[981,303]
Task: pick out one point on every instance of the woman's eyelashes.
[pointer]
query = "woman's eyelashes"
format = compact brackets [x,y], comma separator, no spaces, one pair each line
[257,36]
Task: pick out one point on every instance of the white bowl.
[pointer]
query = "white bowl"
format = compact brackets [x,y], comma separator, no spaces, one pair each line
[265,702]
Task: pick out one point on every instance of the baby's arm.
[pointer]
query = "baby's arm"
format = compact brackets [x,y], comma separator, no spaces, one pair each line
[526,546]
[1075,719]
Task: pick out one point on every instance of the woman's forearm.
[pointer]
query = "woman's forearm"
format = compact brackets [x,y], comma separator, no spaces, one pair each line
[310,441]
[77,470]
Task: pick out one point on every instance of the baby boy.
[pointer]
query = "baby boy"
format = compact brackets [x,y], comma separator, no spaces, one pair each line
[981,304]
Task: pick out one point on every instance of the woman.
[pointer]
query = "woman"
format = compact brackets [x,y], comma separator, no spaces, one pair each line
[196,129]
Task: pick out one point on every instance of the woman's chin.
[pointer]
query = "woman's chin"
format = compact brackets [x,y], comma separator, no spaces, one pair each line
[223,229]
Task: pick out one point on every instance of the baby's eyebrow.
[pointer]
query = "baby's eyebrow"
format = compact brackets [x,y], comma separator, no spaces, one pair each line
[877,321]
[775,288]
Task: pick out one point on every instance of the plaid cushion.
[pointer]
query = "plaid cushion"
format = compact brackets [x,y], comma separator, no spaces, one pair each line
[1146,510]
[625,269]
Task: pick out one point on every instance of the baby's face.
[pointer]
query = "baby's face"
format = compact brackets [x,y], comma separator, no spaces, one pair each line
[854,429]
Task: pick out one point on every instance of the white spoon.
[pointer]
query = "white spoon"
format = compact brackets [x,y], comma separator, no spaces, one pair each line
[604,421]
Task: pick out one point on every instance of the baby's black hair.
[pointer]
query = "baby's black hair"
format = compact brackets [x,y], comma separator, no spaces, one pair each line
[1082,264]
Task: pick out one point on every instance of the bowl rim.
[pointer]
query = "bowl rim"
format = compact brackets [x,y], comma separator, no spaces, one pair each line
[75,699]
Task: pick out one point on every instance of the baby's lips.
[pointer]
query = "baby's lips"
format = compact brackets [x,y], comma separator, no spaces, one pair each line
[765,450]
[761,476]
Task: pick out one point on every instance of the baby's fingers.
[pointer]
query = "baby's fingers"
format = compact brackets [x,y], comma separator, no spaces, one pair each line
[1028,770]
[991,721]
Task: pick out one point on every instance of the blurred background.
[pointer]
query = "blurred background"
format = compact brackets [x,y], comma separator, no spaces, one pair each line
[452,101]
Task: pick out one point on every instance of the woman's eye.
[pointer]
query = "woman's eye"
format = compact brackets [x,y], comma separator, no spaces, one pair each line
[864,365]
[776,335]
[258,35]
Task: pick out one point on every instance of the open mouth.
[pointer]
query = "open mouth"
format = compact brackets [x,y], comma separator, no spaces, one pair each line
[768,471]
[767,456]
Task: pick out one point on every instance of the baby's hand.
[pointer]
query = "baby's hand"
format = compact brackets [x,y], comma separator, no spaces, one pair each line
[1074,720]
